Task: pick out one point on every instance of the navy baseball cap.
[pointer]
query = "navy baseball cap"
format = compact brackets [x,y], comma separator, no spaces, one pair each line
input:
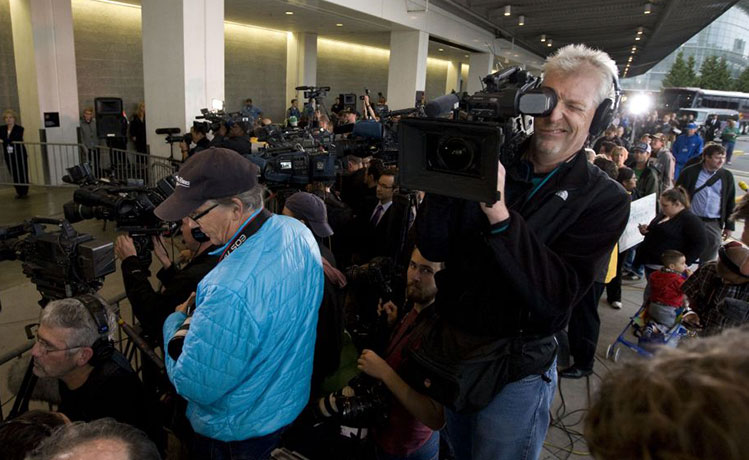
[312,210]
[212,173]
[641,146]
[692,126]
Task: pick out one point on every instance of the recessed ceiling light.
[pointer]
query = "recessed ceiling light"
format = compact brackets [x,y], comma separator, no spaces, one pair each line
[637,38]
[289,13]
[508,10]
[543,37]
[521,20]
[640,30]
[516,55]
[466,55]
[548,42]
[648,8]
[440,49]
[339,25]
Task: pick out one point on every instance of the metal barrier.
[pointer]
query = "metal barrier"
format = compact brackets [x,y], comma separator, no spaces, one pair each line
[44,164]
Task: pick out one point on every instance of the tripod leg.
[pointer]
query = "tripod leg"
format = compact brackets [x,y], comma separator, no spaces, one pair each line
[21,404]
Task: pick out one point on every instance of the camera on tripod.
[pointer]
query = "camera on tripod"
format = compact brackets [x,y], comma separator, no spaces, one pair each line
[61,263]
[129,206]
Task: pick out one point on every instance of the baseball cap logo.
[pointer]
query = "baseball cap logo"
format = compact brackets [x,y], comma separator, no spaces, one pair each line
[182,182]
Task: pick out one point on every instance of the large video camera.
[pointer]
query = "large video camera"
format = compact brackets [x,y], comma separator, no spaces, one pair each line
[298,156]
[61,263]
[129,206]
[459,158]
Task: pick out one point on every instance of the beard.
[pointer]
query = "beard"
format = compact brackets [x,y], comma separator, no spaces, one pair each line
[420,294]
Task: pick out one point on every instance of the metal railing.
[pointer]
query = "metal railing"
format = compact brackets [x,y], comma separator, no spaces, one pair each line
[44,164]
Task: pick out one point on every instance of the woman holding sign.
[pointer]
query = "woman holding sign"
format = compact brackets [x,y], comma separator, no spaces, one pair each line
[674,227]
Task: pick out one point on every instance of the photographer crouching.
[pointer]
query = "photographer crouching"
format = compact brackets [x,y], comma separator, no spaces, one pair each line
[246,361]
[515,269]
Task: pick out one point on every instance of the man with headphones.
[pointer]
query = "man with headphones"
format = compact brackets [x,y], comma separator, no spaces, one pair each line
[73,345]
[515,269]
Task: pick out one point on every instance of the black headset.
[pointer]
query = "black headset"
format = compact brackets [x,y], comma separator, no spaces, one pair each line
[606,110]
[103,347]
[199,236]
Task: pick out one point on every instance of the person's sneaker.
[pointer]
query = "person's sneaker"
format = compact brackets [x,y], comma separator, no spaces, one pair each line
[575,372]
[631,277]
[616,305]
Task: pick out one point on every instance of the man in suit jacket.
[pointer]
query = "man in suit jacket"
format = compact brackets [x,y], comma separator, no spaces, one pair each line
[712,193]
[382,227]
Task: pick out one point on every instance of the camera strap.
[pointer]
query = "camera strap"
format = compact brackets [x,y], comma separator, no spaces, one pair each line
[250,228]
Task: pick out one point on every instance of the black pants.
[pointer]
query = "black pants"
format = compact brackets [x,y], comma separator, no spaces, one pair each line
[18,166]
[614,287]
[584,327]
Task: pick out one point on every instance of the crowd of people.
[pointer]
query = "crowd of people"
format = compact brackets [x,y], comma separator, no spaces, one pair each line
[362,322]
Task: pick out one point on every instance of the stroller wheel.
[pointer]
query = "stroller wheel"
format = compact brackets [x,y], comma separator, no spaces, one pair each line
[617,353]
[610,351]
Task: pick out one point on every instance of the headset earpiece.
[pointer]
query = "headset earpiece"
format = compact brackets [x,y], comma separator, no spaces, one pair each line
[606,110]
[102,347]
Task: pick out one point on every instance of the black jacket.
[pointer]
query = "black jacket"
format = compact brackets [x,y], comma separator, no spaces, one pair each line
[151,307]
[688,180]
[523,280]
[684,233]
[201,145]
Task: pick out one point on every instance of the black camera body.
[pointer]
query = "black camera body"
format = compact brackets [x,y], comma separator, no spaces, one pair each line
[363,403]
[458,158]
[130,207]
[62,263]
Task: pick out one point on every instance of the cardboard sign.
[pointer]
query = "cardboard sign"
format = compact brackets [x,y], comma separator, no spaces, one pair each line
[641,211]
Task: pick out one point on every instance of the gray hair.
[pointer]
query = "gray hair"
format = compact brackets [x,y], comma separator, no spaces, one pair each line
[68,437]
[571,57]
[72,314]
[252,198]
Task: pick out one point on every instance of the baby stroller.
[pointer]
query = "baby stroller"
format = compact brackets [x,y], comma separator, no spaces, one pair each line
[649,336]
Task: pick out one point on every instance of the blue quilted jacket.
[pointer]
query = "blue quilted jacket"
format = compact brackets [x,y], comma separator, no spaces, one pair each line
[246,362]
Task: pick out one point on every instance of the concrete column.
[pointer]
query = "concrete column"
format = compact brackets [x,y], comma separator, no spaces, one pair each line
[47,83]
[452,82]
[480,65]
[408,67]
[301,63]
[183,63]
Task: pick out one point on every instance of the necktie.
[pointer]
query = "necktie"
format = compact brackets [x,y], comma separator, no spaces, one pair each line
[376,216]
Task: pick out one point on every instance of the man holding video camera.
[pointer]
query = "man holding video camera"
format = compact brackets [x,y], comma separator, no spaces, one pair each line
[515,269]
[246,361]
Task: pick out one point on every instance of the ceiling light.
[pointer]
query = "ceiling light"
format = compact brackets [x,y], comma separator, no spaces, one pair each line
[637,38]
[339,25]
[543,38]
[466,55]
[507,10]
[516,55]
[548,42]
[648,8]
[640,30]
[440,49]
[521,20]
[289,13]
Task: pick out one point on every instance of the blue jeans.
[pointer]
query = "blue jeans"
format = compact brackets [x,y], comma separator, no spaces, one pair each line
[729,149]
[248,449]
[429,451]
[512,427]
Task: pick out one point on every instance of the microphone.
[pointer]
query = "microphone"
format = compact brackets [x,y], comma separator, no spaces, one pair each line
[304,88]
[168,131]
[441,105]
[743,186]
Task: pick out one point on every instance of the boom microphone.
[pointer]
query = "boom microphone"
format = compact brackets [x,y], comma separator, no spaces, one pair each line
[168,131]
[743,186]
[396,113]
[441,105]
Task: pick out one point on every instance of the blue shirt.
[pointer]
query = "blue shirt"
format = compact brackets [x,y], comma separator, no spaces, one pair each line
[706,202]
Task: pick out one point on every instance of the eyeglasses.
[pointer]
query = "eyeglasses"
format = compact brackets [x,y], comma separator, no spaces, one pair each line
[202,214]
[46,348]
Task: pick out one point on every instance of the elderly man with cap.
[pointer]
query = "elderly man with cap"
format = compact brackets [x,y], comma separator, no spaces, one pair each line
[687,146]
[311,211]
[246,361]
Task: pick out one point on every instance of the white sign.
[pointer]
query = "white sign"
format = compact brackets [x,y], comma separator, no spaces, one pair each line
[641,211]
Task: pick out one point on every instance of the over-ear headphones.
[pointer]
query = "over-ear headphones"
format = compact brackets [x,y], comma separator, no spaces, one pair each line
[606,110]
[103,347]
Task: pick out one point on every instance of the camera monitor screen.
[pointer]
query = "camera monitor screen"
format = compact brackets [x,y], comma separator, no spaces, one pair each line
[451,158]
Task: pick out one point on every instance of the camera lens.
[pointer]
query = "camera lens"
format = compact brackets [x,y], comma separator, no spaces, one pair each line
[454,154]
